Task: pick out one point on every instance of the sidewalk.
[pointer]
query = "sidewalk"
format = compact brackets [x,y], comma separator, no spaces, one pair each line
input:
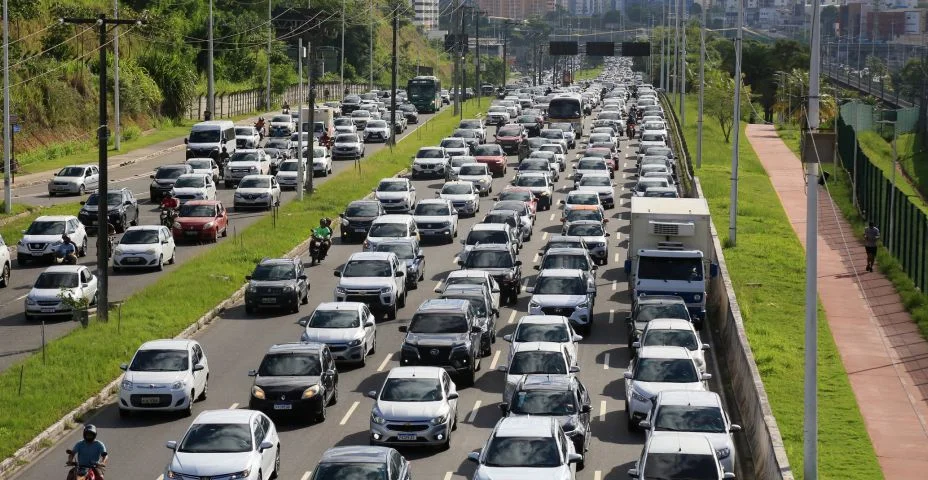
[885,356]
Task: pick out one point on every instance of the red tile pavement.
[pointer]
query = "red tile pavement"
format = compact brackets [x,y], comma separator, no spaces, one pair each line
[885,356]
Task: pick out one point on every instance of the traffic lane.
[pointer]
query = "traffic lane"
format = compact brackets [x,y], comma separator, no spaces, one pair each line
[19,338]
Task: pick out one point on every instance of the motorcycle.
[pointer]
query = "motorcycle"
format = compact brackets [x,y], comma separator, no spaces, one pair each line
[630,131]
[77,472]
[66,254]
[317,249]
[168,216]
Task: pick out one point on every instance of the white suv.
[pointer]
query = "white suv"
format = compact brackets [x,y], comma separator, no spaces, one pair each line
[43,237]
[374,278]
[673,454]
[396,194]
[194,186]
[7,264]
[654,370]
[164,375]
[243,163]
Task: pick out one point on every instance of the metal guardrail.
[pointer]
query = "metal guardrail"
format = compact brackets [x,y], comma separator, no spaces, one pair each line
[680,148]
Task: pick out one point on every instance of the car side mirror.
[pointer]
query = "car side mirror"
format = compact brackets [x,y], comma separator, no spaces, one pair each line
[474,456]
[627,375]
[518,263]
[453,396]
[734,428]
[302,277]
[398,273]
[504,408]
[706,376]
[585,409]
[706,346]
[728,475]
[371,394]
[403,328]
[507,338]
[186,140]
[338,273]
[124,366]
[633,473]
[198,367]
[152,176]
[502,368]
[628,267]
[252,373]
[574,369]
[265,445]
[172,445]
[636,344]
[574,458]
[303,322]
[713,270]
[83,202]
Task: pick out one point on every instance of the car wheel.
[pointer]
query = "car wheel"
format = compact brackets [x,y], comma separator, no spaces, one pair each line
[305,300]
[391,313]
[5,276]
[334,399]
[80,190]
[249,310]
[225,231]
[373,345]
[186,412]
[160,266]
[121,227]
[320,415]
[51,194]
[173,255]
[136,220]
[83,250]
[363,362]
[93,301]
[275,474]
[116,269]
[401,301]
[628,418]
[205,390]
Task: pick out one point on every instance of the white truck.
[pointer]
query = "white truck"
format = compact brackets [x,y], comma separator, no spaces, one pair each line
[670,251]
[323,117]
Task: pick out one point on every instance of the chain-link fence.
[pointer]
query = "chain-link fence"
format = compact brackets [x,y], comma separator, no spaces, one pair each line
[864,117]
[250,101]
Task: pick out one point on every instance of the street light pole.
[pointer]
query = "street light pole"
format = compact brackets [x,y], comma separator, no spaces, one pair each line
[7,128]
[343,49]
[702,86]
[300,167]
[396,17]
[270,36]
[682,61]
[117,130]
[736,128]
[210,79]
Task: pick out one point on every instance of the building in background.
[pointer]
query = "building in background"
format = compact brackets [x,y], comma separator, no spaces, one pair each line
[425,14]
[519,9]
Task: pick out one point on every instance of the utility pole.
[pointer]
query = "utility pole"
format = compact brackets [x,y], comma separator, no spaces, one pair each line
[343,50]
[676,47]
[455,71]
[702,86]
[505,52]
[479,88]
[463,62]
[736,128]
[102,134]
[210,79]
[392,124]
[311,150]
[300,169]
[270,37]
[117,129]
[664,47]
[370,56]
[682,61]
[7,128]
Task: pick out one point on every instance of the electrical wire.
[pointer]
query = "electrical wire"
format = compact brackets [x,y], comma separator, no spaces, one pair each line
[24,60]
[14,42]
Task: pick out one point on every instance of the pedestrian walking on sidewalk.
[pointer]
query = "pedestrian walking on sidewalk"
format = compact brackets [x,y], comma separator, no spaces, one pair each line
[871,237]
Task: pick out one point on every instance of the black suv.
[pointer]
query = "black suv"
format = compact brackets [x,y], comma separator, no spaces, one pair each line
[561,396]
[649,307]
[357,219]
[350,104]
[278,283]
[444,333]
[298,379]
[411,113]
[122,210]
[501,263]
[162,181]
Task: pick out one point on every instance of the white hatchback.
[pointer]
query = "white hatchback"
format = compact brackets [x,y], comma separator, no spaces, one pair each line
[260,191]
[194,186]
[164,375]
[144,246]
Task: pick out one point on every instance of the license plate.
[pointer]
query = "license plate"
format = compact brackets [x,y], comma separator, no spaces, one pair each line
[269,300]
[48,309]
[150,401]
[283,406]
[359,230]
[406,436]
[191,233]
[132,260]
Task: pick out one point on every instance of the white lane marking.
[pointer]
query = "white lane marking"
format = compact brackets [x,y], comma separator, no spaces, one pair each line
[618,236]
[234,406]
[623,188]
[512,317]
[21,297]
[597,475]
[611,316]
[535,258]
[306,476]
[552,217]
[160,477]
[438,285]
[617,257]
[348,414]
[495,360]
[606,361]
[448,475]
[615,285]
[387,361]
[624,175]
[454,261]
[602,411]
[473,413]
[544,237]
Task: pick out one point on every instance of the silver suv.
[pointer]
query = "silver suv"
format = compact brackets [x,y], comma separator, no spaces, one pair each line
[564,292]
[415,406]
[374,278]
[480,298]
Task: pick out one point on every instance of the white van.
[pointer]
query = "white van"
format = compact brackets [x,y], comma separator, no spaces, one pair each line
[207,139]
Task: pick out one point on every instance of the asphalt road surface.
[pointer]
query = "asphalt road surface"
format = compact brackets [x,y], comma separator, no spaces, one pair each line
[236,345]
[19,338]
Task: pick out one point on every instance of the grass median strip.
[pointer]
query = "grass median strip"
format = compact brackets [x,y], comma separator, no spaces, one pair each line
[768,273]
[13,231]
[82,362]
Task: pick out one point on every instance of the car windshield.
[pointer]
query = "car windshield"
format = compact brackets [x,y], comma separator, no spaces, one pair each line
[391,187]
[438,323]
[430,153]
[488,259]
[461,160]
[534,452]
[377,124]
[670,268]
[529,362]
[688,418]
[652,138]
[610,115]
[350,471]
[570,262]
[167,173]
[160,361]
[645,183]
[403,251]
[204,136]
[112,198]
[552,134]
[244,131]
[551,285]
[473,170]
[367,268]
[343,122]
[255,183]
[244,157]
[575,215]
[411,390]
[432,209]
[50,280]
[583,199]
[537,165]
[289,167]
[487,236]
[453,143]
[270,272]
[683,466]
[499,217]
[666,370]
[487,150]
[551,148]
[189,210]
[361,114]
[362,210]
[388,230]
[46,228]
[544,402]
[542,332]
[465,134]
[475,124]
[203,164]
[542,154]
[585,230]
[510,131]
[290,365]
[348,138]
[531,181]
[520,196]
[497,109]
[334,319]
[671,338]
[477,301]
[217,438]
[139,237]
[190,182]
[457,189]
[595,181]
[591,165]
[648,312]
[70,172]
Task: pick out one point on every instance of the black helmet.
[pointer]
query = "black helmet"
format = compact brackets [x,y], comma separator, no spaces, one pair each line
[90,431]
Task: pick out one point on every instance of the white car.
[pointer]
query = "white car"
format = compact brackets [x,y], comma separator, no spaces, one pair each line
[164,375]
[257,191]
[654,370]
[344,125]
[6,265]
[566,292]
[430,162]
[283,121]
[348,328]
[560,154]
[226,444]
[42,238]
[674,332]
[246,162]
[376,278]
[376,131]
[396,194]
[463,195]
[144,246]
[477,125]
[194,186]
[544,328]
[646,183]
[479,175]
[526,447]
[288,171]
[322,160]
[347,145]
[548,358]
[247,136]
[56,283]
[455,146]
[602,185]
[205,166]
[679,455]
[360,118]
[390,227]
[498,115]
[415,405]
[74,179]
[436,218]
[472,277]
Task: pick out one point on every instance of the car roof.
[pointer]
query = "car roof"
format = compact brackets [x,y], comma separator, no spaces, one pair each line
[356,454]
[566,251]
[278,261]
[690,398]
[465,290]
[660,300]
[293,347]
[440,201]
[542,319]
[459,182]
[669,324]
[167,344]
[443,304]
[540,347]
[341,306]
[395,179]
[525,427]
[64,269]
[415,372]
[144,227]
[492,247]
[236,415]
[679,442]
[394,218]
[371,256]
[546,382]
[54,218]
[203,202]
[254,176]
[469,273]
[662,351]
[560,272]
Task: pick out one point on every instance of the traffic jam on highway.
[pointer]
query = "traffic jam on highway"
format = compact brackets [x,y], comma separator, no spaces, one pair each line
[524,302]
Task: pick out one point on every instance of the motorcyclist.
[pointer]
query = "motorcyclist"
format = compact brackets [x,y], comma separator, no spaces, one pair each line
[223,159]
[169,206]
[89,453]
[67,248]
[286,107]
[324,139]
[260,126]
[324,233]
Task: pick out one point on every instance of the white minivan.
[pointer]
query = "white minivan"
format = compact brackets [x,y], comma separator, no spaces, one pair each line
[207,139]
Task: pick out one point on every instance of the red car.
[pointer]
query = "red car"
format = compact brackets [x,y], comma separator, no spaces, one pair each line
[520,193]
[493,156]
[510,137]
[201,220]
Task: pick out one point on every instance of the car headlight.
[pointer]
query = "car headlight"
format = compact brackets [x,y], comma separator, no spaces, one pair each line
[177,225]
[178,385]
[545,193]
[151,251]
[127,385]
[569,426]
[311,392]
[386,289]
[251,288]
[723,453]
[340,291]
[639,396]
[584,304]
[240,475]
[697,297]
[21,243]
[288,288]
[439,419]
[367,244]
[354,343]
[208,225]
[238,195]
[533,304]
[257,392]
[30,301]
[376,418]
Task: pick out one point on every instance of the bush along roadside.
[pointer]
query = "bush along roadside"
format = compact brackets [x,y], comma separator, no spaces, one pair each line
[49,390]
[767,269]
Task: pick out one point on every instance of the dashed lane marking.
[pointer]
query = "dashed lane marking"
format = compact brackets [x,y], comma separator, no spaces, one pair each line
[597,475]
[233,406]
[495,360]
[551,218]
[448,475]
[348,414]
[544,237]
[386,361]
[606,361]
[602,411]
[512,317]
[306,476]
[611,316]
[535,258]
[615,285]
[473,413]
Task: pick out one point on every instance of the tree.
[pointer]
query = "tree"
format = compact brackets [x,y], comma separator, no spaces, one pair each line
[829,17]
[720,100]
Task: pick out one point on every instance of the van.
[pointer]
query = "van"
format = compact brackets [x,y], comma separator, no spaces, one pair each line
[323,120]
[207,139]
